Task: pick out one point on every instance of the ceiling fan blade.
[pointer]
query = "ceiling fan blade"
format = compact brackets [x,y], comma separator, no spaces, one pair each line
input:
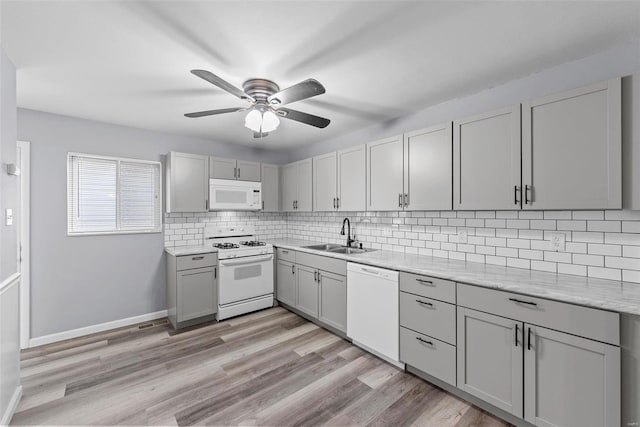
[297,92]
[306,118]
[260,135]
[214,112]
[222,84]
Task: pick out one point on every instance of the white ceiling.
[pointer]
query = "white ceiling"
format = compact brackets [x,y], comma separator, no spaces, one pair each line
[128,62]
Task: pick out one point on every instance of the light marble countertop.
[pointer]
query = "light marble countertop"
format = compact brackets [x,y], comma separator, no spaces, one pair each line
[622,297]
[190,250]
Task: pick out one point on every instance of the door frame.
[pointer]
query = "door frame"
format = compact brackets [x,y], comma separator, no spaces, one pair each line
[24,241]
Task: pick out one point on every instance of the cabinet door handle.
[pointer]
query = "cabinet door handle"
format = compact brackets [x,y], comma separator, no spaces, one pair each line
[424,303]
[424,341]
[425,282]
[238,172]
[235,172]
[263,205]
[516,335]
[519,301]
[334,202]
[399,200]
[315,276]
[406,199]
[337,202]
[527,188]
[215,272]
[515,195]
[293,269]
[197,258]
[529,339]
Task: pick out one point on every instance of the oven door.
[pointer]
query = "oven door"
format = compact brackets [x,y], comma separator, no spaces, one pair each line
[226,194]
[244,278]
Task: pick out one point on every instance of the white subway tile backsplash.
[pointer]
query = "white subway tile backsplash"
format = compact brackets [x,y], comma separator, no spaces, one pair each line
[604,244]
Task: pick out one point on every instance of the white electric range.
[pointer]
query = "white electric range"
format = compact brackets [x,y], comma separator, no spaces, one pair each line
[245,282]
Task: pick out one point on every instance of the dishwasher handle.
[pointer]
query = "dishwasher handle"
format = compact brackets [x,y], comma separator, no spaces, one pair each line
[373,272]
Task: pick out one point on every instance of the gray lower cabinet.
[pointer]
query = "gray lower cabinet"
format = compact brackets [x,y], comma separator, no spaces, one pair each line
[333,300]
[490,363]
[191,289]
[307,290]
[286,282]
[432,356]
[569,380]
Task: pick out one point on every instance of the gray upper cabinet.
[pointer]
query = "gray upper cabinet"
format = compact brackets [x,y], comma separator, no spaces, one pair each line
[570,381]
[490,363]
[428,169]
[222,168]
[297,189]
[352,188]
[486,161]
[631,142]
[571,149]
[385,174]
[307,290]
[249,171]
[325,182]
[187,186]
[270,188]
[333,300]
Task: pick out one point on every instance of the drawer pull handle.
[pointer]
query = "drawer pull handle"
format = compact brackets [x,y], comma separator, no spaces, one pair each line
[425,282]
[284,252]
[424,303]
[519,301]
[424,341]
[197,258]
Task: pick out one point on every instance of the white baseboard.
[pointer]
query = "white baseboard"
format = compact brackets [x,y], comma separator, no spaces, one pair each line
[101,327]
[13,405]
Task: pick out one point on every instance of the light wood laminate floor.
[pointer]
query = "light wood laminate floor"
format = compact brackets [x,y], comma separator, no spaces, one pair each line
[266,368]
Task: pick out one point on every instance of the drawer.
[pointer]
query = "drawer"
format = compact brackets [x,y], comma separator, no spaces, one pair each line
[430,287]
[428,316]
[286,255]
[429,355]
[592,323]
[187,262]
[332,265]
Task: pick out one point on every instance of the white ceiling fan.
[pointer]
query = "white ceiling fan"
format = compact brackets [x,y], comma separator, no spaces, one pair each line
[266,101]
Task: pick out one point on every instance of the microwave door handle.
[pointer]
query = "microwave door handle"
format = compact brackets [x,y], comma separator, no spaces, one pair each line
[249,260]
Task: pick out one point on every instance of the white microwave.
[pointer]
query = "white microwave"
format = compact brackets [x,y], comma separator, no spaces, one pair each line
[232,195]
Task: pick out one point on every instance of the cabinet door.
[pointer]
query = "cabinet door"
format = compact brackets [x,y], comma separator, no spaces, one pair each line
[289,186]
[486,161]
[286,283]
[305,186]
[197,293]
[428,176]
[570,381]
[333,300]
[352,175]
[572,149]
[222,168]
[270,188]
[324,183]
[188,176]
[490,364]
[384,174]
[248,171]
[307,290]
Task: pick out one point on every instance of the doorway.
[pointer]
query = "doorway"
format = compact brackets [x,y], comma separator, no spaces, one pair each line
[23,159]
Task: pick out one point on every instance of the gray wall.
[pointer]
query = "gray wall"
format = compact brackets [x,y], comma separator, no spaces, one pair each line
[86,280]
[615,62]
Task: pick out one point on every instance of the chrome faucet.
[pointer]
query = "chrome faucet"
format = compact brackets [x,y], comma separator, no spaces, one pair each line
[349,239]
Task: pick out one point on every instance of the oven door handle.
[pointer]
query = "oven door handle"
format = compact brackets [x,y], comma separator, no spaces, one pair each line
[248,260]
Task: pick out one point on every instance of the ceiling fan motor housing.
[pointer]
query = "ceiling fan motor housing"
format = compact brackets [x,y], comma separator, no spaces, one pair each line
[260,89]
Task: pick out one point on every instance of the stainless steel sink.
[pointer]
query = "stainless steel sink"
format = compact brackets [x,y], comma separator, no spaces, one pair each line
[346,250]
[325,247]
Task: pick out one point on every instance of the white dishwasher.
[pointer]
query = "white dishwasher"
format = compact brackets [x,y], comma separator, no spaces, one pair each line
[373,311]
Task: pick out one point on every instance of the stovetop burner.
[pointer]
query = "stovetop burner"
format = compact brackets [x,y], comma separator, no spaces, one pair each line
[253,243]
[226,246]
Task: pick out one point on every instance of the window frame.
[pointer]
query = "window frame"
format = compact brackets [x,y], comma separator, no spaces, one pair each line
[118,230]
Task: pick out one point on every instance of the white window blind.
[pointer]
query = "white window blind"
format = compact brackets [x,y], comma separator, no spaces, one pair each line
[113,195]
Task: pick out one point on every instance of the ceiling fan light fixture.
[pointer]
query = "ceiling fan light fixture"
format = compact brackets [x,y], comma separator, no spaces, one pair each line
[270,121]
[253,120]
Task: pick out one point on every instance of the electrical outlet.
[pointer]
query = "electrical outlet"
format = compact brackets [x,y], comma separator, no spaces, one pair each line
[557,242]
[9,216]
[462,236]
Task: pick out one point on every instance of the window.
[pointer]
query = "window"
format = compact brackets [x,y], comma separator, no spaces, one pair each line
[112,195]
